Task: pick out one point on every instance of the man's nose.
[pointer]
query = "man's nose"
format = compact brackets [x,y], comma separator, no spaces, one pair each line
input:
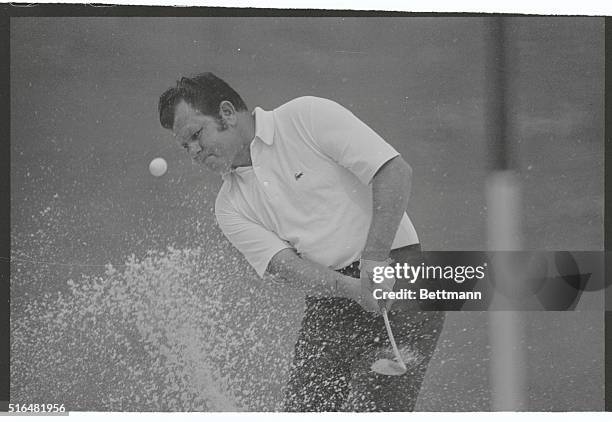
[194,147]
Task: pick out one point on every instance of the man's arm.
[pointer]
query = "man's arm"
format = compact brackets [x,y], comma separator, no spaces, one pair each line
[390,190]
[348,141]
[267,253]
[313,279]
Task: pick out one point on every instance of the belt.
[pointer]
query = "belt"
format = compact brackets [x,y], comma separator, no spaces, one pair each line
[352,270]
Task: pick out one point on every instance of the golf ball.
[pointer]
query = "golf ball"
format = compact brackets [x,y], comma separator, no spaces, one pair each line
[158,167]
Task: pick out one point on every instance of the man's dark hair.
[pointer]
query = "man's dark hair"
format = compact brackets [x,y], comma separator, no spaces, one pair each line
[203,92]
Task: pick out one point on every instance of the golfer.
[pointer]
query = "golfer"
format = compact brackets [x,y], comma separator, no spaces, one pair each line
[310,196]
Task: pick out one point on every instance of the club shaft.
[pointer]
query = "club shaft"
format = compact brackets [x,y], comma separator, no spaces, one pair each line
[391,338]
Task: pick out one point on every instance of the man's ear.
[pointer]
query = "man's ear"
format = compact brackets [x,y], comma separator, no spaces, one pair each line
[227,113]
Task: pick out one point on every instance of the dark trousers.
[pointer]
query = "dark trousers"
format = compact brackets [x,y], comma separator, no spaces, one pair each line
[338,341]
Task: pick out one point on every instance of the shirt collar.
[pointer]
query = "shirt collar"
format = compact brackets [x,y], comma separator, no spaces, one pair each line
[264,125]
[264,131]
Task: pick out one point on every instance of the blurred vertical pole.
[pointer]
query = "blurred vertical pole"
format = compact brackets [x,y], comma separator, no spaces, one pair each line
[5,210]
[506,332]
[608,212]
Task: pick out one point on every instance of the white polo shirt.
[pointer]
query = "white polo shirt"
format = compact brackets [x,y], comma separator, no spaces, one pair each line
[308,187]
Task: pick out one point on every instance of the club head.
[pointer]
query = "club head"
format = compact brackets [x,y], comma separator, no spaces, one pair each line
[388,367]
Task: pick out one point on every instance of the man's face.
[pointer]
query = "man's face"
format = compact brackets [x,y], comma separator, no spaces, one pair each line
[203,138]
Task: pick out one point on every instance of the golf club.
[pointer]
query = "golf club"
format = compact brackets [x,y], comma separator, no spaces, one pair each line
[388,366]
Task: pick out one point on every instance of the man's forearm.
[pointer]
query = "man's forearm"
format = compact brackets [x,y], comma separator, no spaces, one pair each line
[390,190]
[309,277]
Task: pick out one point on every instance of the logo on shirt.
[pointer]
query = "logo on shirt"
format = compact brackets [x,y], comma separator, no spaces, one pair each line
[298,175]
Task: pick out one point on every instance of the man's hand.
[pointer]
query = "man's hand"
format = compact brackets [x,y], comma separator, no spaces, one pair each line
[368,285]
[350,287]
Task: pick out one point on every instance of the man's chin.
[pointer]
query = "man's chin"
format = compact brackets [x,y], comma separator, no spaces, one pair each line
[216,167]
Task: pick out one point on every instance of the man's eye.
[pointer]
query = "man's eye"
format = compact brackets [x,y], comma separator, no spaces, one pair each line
[196,135]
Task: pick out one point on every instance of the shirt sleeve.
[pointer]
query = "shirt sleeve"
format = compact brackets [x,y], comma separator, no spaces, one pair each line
[255,242]
[339,134]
